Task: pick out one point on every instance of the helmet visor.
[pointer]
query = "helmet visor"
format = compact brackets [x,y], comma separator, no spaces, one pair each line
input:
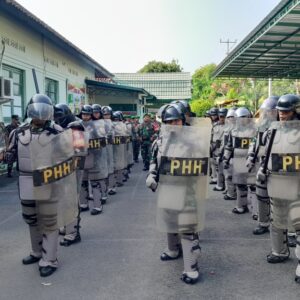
[40,111]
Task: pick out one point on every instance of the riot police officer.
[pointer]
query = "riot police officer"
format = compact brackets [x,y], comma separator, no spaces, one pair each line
[180,199]
[64,117]
[280,170]
[217,137]
[236,150]
[39,209]
[214,119]
[96,162]
[107,116]
[230,193]
[267,114]
[97,115]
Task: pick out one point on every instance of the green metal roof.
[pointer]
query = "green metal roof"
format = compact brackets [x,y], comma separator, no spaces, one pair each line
[118,87]
[172,86]
[271,50]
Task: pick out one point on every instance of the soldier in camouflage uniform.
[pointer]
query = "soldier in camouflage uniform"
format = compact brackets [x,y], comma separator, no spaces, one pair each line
[135,140]
[146,135]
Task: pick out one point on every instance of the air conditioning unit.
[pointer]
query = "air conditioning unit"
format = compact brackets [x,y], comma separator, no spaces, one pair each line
[6,90]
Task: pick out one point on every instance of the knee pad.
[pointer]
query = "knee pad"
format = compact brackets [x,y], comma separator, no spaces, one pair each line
[29,212]
[31,219]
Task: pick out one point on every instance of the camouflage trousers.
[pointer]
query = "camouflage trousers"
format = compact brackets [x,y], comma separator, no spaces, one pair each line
[146,153]
[136,149]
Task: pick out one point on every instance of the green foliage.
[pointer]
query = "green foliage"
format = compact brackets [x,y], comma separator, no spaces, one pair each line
[250,92]
[202,81]
[200,106]
[161,67]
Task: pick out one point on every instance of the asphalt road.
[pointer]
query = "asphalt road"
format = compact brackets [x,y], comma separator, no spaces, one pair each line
[118,257]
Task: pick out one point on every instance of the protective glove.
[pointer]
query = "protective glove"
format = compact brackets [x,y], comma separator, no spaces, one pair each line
[217,159]
[250,163]
[261,176]
[151,183]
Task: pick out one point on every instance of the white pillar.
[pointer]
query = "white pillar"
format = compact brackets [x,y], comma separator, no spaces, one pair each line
[270,87]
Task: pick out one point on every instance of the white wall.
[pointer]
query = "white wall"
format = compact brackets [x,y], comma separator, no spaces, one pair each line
[26,49]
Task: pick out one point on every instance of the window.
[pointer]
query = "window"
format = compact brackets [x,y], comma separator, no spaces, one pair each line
[15,107]
[51,89]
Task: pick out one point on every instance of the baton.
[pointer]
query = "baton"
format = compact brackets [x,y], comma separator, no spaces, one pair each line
[35,81]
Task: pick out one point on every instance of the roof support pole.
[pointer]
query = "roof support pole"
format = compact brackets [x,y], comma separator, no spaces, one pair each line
[270,87]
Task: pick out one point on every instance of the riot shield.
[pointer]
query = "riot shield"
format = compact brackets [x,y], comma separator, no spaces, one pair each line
[242,136]
[284,162]
[110,137]
[97,149]
[2,141]
[54,176]
[266,117]
[119,146]
[183,171]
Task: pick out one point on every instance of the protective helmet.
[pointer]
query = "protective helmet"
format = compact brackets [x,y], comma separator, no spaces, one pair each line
[207,114]
[117,116]
[222,112]
[231,113]
[107,110]
[96,108]
[172,112]
[269,103]
[289,102]
[214,111]
[161,109]
[184,105]
[40,107]
[243,112]
[86,109]
[63,115]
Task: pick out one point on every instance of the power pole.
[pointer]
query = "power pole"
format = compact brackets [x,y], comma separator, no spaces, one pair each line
[228,42]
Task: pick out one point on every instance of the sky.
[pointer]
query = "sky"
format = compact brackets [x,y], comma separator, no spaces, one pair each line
[124,35]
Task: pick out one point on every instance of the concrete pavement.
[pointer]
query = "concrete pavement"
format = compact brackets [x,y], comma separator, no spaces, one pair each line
[118,257]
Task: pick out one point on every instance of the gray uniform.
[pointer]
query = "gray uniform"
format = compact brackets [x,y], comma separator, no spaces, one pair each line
[180,156]
[39,204]
[229,186]
[284,186]
[217,138]
[119,151]
[109,128]
[237,150]
[96,169]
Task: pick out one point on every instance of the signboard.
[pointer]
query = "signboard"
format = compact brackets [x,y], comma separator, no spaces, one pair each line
[76,96]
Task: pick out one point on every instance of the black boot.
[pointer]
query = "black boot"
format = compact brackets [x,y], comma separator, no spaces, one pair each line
[276,259]
[226,197]
[47,271]
[260,230]
[28,260]
[66,242]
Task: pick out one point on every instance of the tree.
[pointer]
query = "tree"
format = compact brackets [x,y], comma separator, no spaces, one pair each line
[202,82]
[161,67]
[199,107]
